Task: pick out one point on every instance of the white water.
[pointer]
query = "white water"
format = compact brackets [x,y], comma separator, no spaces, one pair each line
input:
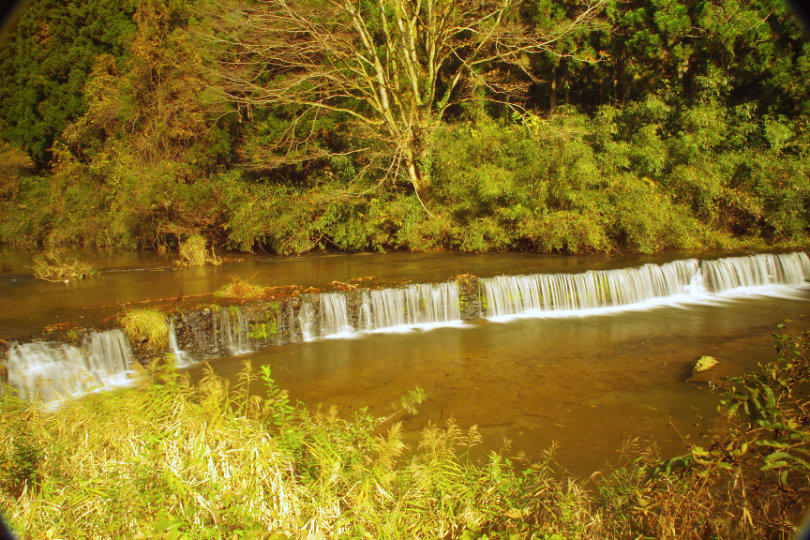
[306,317]
[650,285]
[732,273]
[234,331]
[334,315]
[181,357]
[48,372]
[383,310]
[415,305]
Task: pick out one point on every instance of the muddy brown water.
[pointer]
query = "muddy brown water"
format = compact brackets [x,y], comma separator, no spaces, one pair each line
[587,384]
[130,279]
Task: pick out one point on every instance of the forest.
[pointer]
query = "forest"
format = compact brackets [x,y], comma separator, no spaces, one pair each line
[297,125]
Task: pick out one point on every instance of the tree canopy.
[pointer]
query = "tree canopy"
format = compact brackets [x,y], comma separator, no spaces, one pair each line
[45,62]
[292,125]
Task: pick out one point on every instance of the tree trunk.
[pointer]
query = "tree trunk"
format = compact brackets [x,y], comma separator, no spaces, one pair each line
[417,177]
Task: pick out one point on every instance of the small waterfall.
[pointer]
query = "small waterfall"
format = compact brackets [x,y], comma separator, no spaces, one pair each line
[324,315]
[307,320]
[334,315]
[107,353]
[684,280]
[181,357]
[329,314]
[723,275]
[234,331]
[511,295]
[48,371]
[409,306]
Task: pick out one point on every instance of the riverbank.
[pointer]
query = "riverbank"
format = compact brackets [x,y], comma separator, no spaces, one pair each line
[213,459]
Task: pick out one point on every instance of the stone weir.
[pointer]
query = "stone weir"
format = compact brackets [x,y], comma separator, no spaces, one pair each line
[91,359]
[216,331]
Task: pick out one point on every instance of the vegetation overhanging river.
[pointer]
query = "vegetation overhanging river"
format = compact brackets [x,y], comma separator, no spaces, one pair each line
[587,382]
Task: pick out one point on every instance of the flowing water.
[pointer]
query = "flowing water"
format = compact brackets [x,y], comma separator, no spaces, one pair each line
[130,280]
[50,372]
[585,351]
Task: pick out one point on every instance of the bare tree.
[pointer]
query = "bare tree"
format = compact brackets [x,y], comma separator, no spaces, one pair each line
[393,67]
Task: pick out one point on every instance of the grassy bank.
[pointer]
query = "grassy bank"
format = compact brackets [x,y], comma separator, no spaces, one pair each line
[176,460]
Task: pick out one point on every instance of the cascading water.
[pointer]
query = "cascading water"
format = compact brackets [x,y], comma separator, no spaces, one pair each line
[234,331]
[307,319]
[510,295]
[181,357]
[329,314]
[47,372]
[723,275]
[411,306]
[334,315]
[676,281]
[324,315]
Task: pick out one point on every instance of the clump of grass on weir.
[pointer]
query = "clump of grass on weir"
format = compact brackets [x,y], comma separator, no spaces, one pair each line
[146,327]
[51,266]
[193,252]
[240,289]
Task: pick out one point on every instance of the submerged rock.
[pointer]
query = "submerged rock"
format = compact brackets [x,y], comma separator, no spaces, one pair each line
[705,363]
[709,370]
[704,370]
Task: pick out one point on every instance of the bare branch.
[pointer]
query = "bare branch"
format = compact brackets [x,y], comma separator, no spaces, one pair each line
[393,67]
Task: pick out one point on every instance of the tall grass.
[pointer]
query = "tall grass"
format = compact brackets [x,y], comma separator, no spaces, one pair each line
[146,327]
[175,459]
[192,252]
[214,460]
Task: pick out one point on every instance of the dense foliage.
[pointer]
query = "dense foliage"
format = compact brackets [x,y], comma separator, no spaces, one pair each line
[647,125]
[45,63]
[178,460]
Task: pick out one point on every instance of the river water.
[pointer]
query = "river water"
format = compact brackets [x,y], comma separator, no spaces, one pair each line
[130,279]
[587,380]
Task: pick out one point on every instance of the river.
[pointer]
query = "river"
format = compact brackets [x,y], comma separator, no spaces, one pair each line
[586,379]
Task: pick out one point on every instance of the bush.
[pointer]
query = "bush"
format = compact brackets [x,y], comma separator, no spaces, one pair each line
[752,481]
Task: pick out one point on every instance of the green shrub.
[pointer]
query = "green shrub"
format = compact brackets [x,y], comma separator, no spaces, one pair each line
[752,481]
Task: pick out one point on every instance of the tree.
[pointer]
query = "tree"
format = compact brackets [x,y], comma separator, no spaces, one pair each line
[44,63]
[389,70]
